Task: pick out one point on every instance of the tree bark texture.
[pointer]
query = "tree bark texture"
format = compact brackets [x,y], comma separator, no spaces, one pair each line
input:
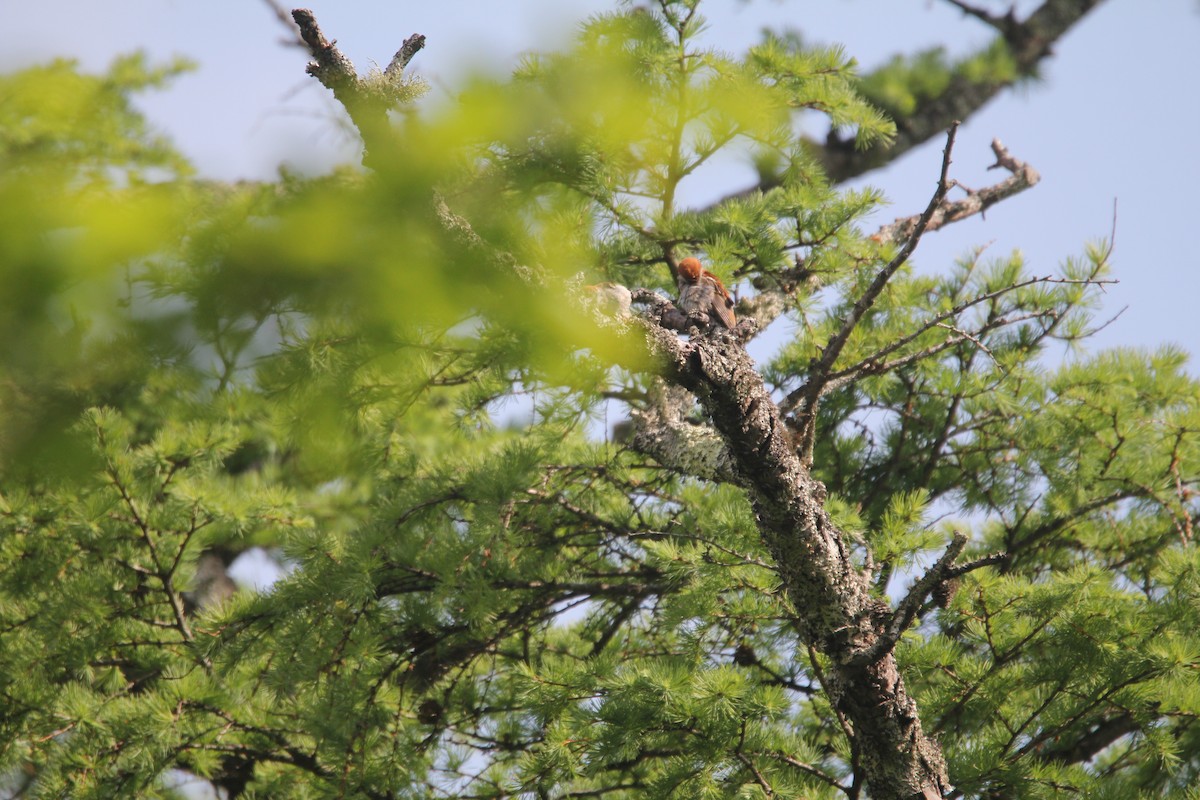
[834,610]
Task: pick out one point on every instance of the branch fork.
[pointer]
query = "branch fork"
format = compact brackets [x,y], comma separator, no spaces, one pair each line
[938,581]
[367,100]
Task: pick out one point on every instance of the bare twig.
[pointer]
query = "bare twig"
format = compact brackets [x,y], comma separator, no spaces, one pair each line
[1006,24]
[294,39]
[976,202]
[367,101]
[806,396]
[906,610]
[974,339]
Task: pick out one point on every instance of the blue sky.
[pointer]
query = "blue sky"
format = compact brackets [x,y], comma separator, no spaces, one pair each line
[1115,117]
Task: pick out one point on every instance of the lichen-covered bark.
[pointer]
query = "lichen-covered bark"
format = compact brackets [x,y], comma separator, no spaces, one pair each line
[662,432]
[835,612]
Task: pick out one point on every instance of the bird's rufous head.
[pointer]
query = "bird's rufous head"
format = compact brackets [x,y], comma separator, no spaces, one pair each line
[690,269]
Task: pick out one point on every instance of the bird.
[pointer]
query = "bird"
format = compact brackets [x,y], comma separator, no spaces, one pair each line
[702,293]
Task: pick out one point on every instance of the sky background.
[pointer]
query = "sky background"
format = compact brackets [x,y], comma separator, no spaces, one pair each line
[1114,118]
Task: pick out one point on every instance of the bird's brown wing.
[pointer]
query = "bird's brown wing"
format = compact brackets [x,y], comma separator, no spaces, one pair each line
[722,303]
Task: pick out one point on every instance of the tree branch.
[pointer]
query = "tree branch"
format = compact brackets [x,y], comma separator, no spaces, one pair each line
[1028,43]
[1006,24]
[770,304]
[1075,751]
[805,398]
[333,69]
[906,610]
[835,612]
[412,45]
[976,202]
[983,561]
[366,100]
[695,450]
[464,236]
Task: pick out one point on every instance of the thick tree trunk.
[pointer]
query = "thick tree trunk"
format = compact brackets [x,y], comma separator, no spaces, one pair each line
[835,612]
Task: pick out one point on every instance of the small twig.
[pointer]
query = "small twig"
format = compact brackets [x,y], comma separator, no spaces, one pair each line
[762,782]
[811,390]
[971,338]
[872,366]
[294,38]
[742,558]
[807,769]
[620,618]
[1006,24]
[1112,236]
[906,610]
[873,363]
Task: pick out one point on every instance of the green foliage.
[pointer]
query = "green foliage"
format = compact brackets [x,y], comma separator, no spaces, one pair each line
[485,597]
[905,83]
[54,119]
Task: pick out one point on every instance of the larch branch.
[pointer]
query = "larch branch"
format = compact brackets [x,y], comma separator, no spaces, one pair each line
[805,398]
[835,612]
[1022,177]
[366,100]
[906,610]
[1029,42]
